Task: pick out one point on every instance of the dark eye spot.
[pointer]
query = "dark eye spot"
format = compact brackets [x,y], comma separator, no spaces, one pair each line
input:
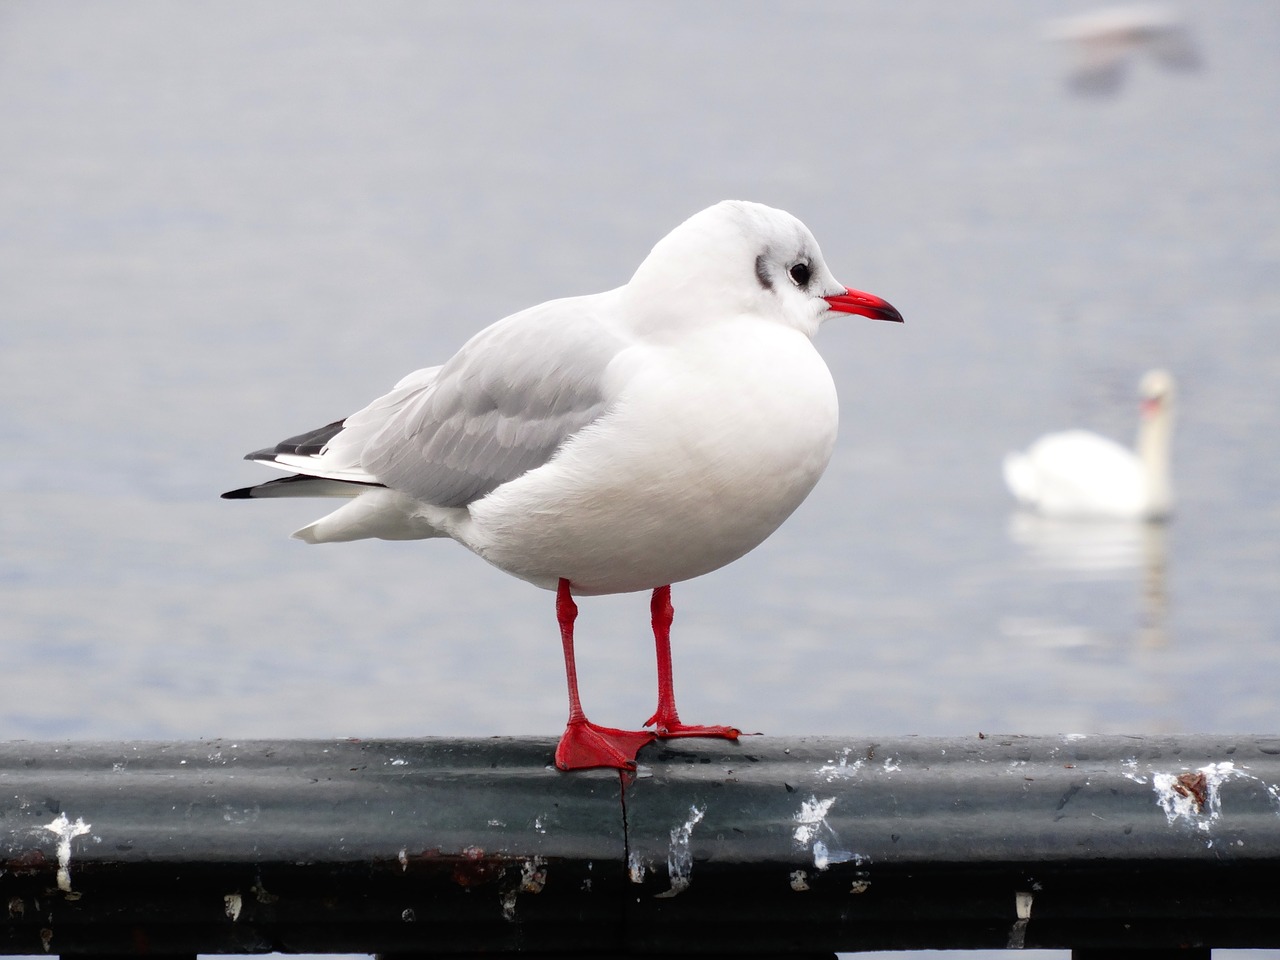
[762,273]
[799,273]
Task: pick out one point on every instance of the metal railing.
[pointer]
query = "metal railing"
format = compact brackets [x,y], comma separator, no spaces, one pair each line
[799,846]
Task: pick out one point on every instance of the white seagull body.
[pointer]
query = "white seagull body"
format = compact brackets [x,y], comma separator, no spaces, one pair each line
[608,443]
[1077,474]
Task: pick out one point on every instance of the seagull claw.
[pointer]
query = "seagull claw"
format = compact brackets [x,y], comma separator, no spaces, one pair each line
[585,745]
[690,730]
[674,728]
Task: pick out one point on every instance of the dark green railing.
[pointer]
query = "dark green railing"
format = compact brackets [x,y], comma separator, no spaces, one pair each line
[766,847]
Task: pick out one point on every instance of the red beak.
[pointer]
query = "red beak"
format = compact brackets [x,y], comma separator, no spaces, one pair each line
[865,304]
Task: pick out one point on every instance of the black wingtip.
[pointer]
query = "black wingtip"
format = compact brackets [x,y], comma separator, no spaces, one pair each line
[244,493]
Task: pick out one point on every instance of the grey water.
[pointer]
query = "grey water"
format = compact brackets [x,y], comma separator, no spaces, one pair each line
[224,224]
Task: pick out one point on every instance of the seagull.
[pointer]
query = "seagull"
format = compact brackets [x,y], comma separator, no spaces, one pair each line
[610,443]
[1105,41]
[1081,475]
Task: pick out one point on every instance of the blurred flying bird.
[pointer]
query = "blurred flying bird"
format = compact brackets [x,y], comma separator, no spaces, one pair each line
[1105,42]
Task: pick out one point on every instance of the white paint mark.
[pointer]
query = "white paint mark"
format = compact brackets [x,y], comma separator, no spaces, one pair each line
[66,831]
[397,762]
[241,815]
[799,881]
[842,769]
[1130,770]
[891,765]
[508,901]
[860,886]
[538,824]
[824,857]
[812,820]
[635,867]
[1018,932]
[820,858]
[1022,901]
[679,856]
[1273,791]
[232,904]
[403,857]
[533,877]
[1194,797]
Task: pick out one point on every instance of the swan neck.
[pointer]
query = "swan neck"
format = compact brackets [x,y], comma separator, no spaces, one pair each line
[1154,442]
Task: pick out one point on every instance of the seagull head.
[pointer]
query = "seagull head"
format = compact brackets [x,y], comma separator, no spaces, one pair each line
[739,257]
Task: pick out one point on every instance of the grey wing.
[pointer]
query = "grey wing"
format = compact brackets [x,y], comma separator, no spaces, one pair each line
[500,407]
[334,452]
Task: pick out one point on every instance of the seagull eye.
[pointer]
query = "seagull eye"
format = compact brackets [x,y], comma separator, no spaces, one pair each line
[799,273]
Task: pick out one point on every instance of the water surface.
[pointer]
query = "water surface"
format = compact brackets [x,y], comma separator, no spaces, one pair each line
[224,224]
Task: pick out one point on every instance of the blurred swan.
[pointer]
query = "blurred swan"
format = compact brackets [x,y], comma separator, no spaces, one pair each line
[1105,42]
[1078,474]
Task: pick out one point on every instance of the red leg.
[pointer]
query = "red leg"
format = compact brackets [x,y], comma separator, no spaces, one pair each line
[584,744]
[666,718]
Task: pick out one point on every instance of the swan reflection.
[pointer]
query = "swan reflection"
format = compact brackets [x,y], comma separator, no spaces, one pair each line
[1101,550]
